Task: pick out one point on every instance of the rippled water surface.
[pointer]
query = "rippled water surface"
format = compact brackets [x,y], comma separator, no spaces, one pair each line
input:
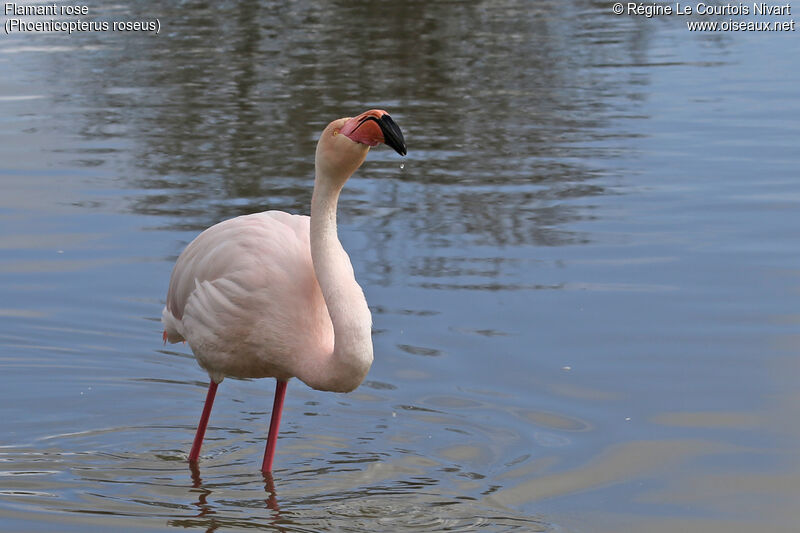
[584,276]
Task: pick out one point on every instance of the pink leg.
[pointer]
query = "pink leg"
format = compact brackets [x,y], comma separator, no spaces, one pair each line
[201,427]
[275,422]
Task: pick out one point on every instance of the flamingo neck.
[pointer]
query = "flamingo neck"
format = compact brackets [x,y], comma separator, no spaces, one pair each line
[351,358]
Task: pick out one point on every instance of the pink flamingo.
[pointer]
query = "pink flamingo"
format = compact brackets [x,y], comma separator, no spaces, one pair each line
[273,294]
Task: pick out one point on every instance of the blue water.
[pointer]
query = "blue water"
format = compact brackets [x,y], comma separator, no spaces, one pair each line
[583,277]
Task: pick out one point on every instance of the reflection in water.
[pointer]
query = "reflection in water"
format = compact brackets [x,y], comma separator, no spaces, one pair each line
[272,498]
[206,509]
[244,89]
[203,492]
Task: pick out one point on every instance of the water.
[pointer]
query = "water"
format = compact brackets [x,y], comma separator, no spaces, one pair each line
[583,277]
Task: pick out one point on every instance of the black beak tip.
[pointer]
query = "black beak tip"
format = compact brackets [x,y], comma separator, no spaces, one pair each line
[392,135]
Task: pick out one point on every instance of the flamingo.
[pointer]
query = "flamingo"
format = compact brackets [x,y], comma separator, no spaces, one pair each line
[274,295]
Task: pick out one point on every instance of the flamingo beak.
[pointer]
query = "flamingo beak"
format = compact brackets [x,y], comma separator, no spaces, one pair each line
[373,127]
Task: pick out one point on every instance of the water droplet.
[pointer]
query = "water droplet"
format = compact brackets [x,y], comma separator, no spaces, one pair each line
[402,166]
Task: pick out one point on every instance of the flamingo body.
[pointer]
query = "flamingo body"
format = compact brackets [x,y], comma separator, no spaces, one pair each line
[245,297]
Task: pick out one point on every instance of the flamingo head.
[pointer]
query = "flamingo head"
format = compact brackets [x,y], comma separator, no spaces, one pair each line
[344,144]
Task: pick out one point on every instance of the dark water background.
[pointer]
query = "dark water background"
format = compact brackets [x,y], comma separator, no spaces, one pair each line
[584,276]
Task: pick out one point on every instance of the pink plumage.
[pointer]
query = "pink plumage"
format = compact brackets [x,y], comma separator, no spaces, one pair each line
[245,297]
[273,294]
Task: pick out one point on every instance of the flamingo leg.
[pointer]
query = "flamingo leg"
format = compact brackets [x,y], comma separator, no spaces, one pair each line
[201,427]
[274,424]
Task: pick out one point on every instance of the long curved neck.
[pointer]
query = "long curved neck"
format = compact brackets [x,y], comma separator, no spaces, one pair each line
[347,366]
